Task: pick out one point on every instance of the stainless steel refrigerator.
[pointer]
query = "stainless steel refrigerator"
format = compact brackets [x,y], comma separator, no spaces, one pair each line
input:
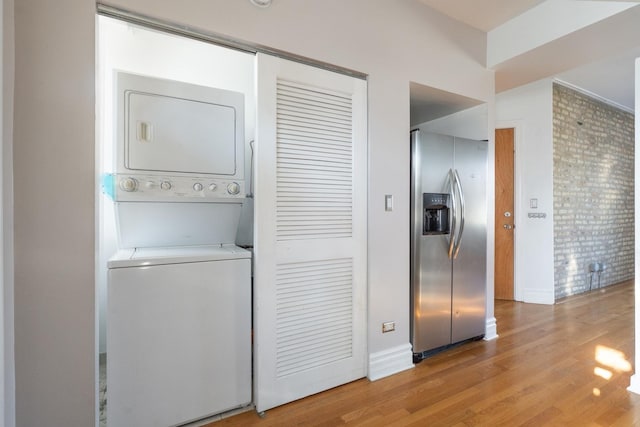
[448,240]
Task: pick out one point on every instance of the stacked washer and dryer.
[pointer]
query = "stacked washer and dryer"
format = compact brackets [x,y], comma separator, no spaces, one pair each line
[179,289]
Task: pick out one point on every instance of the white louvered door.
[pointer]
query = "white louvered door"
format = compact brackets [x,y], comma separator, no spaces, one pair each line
[310,231]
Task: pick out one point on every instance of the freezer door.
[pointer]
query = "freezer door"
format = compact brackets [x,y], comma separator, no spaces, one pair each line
[469,267]
[432,157]
[432,295]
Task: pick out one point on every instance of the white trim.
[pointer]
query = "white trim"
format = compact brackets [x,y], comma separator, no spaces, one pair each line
[491,329]
[518,127]
[537,296]
[594,95]
[3,346]
[635,379]
[634,384]
[390,361]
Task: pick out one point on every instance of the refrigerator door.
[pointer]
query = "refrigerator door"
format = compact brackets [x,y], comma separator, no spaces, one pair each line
[432,157]
[469,267]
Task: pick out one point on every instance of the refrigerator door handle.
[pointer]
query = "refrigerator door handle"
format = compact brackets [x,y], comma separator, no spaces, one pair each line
[453,213]
[416,203]
[459,233]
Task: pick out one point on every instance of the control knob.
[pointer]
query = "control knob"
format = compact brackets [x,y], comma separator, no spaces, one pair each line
[212,187]
[129,184]
[197,186]
[233,188]
[165,185]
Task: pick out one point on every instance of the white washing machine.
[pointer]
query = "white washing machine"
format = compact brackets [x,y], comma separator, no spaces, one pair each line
[178,290]
[178,336]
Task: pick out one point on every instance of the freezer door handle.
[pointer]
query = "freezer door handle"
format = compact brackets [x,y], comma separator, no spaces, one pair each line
[452,213]
[461,196]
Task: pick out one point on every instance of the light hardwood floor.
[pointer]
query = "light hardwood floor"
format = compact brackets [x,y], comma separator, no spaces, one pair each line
[541,371]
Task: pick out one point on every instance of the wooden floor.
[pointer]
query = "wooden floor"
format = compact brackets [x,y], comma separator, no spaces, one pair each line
[547,368]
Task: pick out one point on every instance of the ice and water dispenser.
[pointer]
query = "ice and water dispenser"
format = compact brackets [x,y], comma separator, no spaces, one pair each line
[435,213]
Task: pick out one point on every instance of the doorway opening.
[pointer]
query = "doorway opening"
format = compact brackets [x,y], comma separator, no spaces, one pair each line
[169,77]
[449,146]
[504,214]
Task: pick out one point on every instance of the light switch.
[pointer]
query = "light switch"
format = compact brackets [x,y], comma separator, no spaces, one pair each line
[388,202]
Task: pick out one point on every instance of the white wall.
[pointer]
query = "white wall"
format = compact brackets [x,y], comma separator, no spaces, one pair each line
[529,109]
[54,199]
[472,123]
[394,42]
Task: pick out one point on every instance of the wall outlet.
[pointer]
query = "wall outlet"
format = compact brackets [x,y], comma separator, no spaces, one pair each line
[388,327]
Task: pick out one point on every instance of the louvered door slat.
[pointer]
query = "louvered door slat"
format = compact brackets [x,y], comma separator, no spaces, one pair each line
[318,177]
[315,121]
[293,109]
[317,107]
[330,152]
[289,89]
[319,153]
[295,129]
[304,298]
[301,138]
[313,187]
[334,187]
[305,95]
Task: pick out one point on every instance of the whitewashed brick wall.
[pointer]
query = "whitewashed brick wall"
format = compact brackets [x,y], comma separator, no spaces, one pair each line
[593,185]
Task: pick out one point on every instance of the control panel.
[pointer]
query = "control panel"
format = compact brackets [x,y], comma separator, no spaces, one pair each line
[163,188]
[435,213]
[435,200]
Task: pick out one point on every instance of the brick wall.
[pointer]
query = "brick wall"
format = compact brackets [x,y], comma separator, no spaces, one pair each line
[593,184]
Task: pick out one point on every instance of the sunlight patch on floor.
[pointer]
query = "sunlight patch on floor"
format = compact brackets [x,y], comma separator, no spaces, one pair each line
[602,373]
[612,358]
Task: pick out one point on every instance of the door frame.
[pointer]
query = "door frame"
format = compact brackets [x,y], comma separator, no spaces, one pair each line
[519,219]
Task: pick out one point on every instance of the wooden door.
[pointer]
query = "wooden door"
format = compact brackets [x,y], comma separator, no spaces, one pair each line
[310,253]
[504,215]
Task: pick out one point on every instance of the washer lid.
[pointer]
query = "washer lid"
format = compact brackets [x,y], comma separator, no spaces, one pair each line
[142,257]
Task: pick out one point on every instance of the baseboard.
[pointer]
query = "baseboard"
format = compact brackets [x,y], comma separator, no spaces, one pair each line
[634,386]
[391,361]
[536,296]
[490,329]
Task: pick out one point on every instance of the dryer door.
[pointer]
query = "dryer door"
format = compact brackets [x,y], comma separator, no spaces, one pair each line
[174,127]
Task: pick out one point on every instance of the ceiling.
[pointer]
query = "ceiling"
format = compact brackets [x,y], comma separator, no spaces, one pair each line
[428,103]
[484,15]
[611,79]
